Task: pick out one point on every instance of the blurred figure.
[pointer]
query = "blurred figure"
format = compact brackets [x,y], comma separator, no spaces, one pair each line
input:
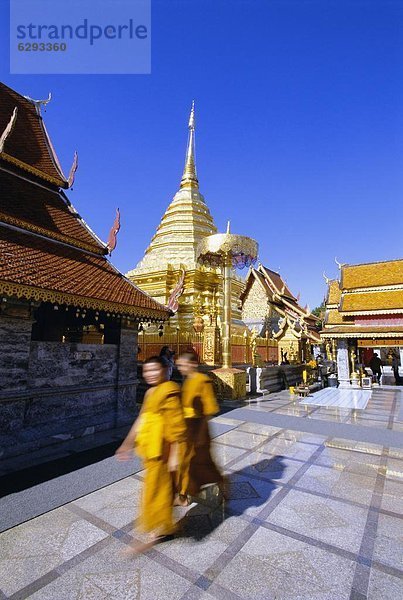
[376,366]
[395,367]
[158,436]
[167,355]
[199,403]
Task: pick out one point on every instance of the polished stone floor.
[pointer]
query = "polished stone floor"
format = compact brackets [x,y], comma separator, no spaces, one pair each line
[315,513]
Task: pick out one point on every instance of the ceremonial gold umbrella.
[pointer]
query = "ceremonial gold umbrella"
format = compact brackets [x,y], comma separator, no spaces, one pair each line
[227,251]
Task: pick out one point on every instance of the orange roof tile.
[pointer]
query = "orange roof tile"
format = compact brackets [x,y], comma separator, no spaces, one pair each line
[372,275]
[28,145]
[333,317]
[333,292]
[387,300]
[41,269]
[276,279]
[44,211]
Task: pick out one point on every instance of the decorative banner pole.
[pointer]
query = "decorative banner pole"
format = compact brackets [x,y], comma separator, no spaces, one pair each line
[227,347]
[227,250]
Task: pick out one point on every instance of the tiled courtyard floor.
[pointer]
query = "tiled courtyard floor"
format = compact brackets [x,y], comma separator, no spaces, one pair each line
[311,516]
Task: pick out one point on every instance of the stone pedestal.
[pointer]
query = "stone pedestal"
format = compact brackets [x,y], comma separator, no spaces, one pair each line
[231,383]
[355,382]
[343,370]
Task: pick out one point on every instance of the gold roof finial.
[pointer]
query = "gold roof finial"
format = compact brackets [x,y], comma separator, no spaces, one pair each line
[189,177]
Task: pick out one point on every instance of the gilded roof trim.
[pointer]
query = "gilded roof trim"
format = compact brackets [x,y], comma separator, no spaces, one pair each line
[46,295]
[374,311]
[356,334]
[29,227]
[33,170]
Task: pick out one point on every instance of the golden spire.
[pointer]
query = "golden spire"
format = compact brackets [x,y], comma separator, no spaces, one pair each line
[189,177]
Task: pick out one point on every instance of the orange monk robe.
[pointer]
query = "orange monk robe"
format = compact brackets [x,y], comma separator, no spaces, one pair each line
[199,403]
[161,424]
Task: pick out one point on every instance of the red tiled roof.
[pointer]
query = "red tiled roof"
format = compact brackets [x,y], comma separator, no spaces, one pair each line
[44,211]
[38,268]
[277,281]
[28,145]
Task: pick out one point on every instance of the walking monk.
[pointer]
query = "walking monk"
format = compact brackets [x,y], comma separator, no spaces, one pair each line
[199,403]
[158,436]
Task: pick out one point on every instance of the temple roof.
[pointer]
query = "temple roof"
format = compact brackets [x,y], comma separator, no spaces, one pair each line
[386,301]
[27,145]
[355,331]
[34,267]
[333,317]
[378,274]
[46,211]
[333,292]
[279,296]
[47,251]
[278,283]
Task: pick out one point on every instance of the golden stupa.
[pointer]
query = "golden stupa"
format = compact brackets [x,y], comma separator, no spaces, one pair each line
[170,271]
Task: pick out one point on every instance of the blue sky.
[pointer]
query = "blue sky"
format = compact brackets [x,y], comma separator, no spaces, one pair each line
[299,129]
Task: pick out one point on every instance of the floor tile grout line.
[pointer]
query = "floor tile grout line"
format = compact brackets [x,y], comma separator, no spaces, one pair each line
[311,541]
[91,518]
[226,557]
[362,571]
[223,593]
[249,451]
[58,571]
[368,433]
[128,539]
[384,568]
[316,493]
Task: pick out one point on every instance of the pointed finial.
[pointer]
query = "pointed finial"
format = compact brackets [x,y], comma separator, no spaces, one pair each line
[39,103]
[189,177]
[327,280]
[228,226]
[192,121]
[339,264]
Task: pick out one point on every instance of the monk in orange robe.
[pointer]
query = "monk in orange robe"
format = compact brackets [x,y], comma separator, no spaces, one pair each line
[199,404]
[158,436]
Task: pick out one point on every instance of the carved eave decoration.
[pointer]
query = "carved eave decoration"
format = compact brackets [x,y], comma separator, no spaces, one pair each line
[45,295]
[8,129]
[32,170]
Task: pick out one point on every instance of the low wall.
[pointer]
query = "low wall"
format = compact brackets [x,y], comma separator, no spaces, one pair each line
[70,390]
[275,379]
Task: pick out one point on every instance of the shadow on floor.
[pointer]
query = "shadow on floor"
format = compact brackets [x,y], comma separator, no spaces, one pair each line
[243,491]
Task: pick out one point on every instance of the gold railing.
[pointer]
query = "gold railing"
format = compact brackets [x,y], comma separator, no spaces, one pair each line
[150,344]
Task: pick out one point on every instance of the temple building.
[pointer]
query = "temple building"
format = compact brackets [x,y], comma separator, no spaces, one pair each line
[169,270]
[269,308]
[68,318]
[364,314]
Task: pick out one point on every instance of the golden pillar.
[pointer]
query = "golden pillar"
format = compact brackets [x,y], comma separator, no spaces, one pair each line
[226,338]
